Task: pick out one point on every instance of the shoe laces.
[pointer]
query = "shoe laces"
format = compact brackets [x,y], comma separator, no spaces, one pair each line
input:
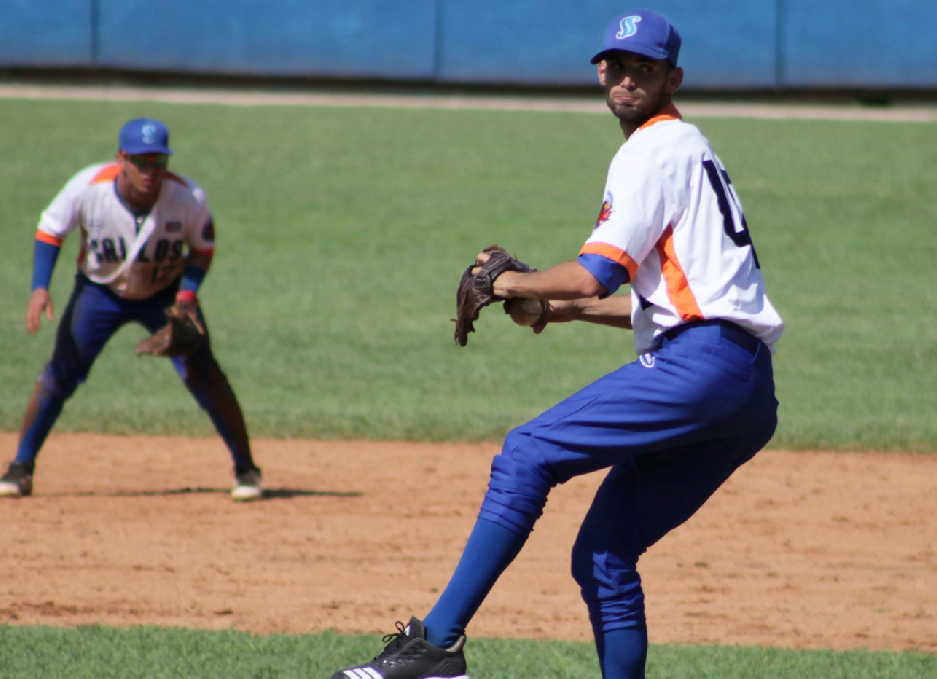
[393,641]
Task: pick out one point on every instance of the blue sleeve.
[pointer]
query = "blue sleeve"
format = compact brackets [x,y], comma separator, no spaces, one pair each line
[44,257]
[192,277]
[610,274]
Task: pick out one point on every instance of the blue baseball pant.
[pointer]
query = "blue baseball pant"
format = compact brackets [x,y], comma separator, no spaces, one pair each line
[671,427]
[93,314]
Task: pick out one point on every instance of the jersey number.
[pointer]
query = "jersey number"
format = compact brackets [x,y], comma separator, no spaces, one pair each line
[740,236]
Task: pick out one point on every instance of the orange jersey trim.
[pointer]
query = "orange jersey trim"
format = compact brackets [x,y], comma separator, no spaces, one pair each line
[617,255]
[106,173]
[109,172]
[208,252]
[678,287]
[670,112]
[48,238]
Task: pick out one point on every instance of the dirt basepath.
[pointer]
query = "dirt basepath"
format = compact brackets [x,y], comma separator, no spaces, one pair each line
[923,112]
[798,550]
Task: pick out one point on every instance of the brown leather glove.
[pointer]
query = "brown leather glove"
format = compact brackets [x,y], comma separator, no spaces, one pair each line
[182,335]
[476,288]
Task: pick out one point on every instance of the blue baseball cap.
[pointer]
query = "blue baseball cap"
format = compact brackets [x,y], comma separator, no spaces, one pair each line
[644,32]
[144,135]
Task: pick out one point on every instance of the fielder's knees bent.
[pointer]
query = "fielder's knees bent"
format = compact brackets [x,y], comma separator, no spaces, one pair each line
[54,388]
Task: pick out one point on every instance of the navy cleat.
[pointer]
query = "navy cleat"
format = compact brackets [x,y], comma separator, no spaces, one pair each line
[408,655]
[18,480]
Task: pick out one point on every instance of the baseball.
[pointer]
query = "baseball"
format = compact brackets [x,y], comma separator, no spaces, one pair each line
[524,311]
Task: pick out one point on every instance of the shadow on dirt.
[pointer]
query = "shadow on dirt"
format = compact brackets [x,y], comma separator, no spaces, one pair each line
[268,493]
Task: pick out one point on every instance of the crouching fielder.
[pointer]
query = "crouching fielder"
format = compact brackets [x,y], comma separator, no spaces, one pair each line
[147,239]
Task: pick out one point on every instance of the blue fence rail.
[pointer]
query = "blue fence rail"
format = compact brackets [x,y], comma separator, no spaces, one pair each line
[732,44]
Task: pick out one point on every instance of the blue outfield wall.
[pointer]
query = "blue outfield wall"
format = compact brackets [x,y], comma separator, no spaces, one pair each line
[332,38]
[46,32]
[733,44]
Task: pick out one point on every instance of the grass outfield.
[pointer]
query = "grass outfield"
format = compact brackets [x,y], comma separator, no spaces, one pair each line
[155,653]
[342,234]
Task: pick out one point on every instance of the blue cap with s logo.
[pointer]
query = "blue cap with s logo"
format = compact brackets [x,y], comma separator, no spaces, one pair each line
[644,32]
[144,135]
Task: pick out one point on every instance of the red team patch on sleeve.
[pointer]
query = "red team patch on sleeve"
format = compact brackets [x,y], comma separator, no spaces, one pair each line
[605,212]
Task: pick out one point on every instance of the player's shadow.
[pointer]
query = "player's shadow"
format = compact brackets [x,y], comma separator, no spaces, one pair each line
[268,493]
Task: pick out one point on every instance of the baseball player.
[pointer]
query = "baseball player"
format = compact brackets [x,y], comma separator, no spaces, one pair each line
[147,239]
[671,426]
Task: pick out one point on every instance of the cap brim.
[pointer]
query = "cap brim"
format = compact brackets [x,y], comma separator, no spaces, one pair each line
[143,150]
[649,53]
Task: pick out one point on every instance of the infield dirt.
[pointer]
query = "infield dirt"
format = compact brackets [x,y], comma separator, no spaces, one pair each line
[797,550]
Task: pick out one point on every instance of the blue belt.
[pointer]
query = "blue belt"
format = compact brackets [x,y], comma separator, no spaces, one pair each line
[727,329]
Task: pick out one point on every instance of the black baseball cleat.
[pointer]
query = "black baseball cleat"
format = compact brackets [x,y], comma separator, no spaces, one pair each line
[18,480]
[409,656]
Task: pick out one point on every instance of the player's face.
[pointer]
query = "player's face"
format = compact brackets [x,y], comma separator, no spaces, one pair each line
[637,87]
[143,174]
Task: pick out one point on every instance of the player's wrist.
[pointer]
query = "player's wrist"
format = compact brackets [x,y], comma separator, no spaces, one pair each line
[187,297]
[504,285]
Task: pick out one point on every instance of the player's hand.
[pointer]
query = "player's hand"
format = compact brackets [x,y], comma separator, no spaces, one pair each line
[500,286]
[188,310]
[39,301]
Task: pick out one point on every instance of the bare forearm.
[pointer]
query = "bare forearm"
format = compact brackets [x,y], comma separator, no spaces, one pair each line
[569,280]
[614,311]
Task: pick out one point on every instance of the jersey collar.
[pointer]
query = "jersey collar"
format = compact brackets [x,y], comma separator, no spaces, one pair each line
[669,112]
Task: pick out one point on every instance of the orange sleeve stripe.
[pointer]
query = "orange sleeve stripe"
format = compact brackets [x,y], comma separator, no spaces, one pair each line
[106,173]
[48,238]
[611,252]
[209,252]
[678,287]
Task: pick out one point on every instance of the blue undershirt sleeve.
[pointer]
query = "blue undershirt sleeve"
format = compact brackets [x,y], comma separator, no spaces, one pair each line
[610,274]
[44,257]
[192,277]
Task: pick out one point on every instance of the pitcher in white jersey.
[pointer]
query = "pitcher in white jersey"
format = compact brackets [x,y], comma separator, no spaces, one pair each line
[672,425]
[147,241]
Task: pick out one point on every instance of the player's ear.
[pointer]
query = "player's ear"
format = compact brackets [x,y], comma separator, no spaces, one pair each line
[674,79]
[601,69]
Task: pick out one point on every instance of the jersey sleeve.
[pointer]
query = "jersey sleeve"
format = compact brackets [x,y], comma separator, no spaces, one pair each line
[61,216]
[633,216]
[606,271]
[200,229]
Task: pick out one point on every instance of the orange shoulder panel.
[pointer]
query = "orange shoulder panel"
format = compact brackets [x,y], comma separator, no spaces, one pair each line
[106,173]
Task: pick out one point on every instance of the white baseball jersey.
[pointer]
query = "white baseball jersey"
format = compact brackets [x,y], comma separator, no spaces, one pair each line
[671,217]
[178,222]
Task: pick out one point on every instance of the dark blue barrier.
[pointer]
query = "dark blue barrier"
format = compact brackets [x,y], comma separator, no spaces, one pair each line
[728,44]
[860,43]
[53,33]
[334,38]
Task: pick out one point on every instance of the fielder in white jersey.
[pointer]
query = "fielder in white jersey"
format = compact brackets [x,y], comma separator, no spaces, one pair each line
[147,241]
[670,427]
[134,254]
